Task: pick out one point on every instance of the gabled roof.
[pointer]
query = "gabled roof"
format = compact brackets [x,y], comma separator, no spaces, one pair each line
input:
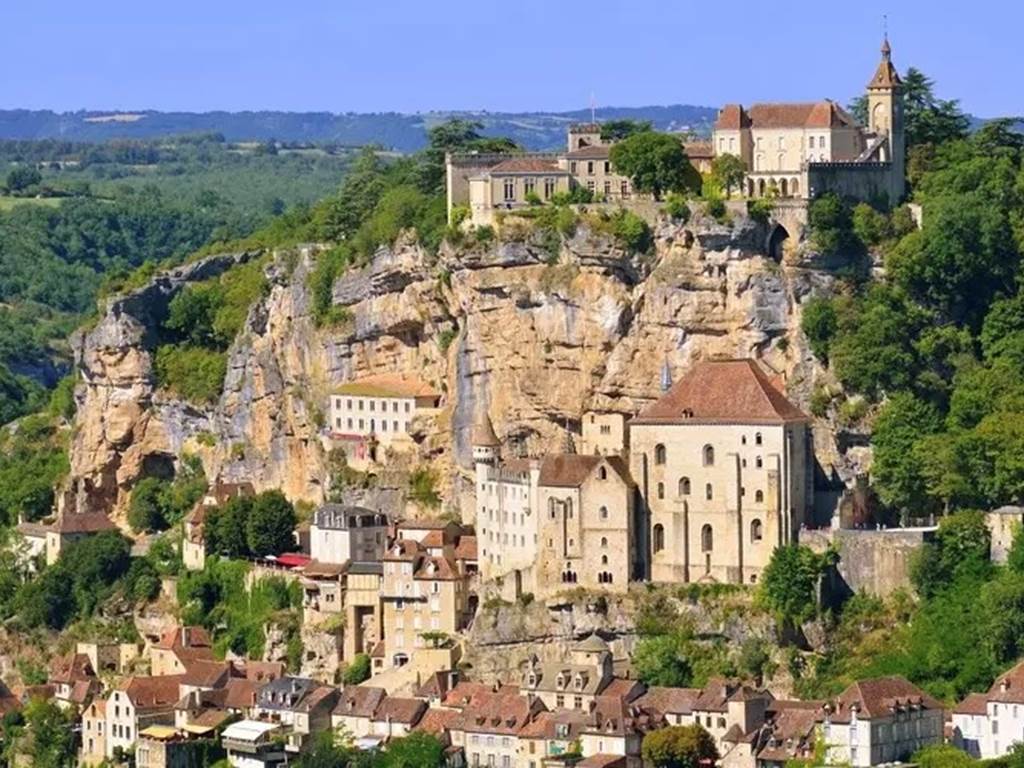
[732,117]
[360,701]
[387,385]
[83,522]
[178,638]
[396,709]
[592,152]
[498,713]
[973,704]
[723,391]
[466,549]
[674,701]
[880,697]
[814,114]
[152,692]
[527,165]
[697,150]
[571,470]
[437,721]
[71,668]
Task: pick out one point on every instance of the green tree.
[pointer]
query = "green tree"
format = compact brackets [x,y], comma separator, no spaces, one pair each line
[928,119]
[897,470]
[819,322]
[270,529]
[417,750]
[960,550]
[656,163]
[46,740]
[358,671]
[225,528]
[22,177]
[728,171]
[147,510]
[789,586]
[942,756]
[617,130]
[660,660]
[679,746]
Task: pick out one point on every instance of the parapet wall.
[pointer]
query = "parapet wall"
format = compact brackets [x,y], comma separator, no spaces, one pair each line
[873,561]
[861,181]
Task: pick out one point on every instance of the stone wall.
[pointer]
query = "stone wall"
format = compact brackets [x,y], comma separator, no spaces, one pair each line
[861,181]
[876,562]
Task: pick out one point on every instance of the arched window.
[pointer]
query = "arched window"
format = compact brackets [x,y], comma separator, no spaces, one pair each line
[759,496]
[602,473]
[756,530]
[661,490]
[758,462]
[707,539]
[684,486]
[709,455]
[757,439]
[604,543]
[709,493]
[659,453]
[603,513]
[604,559]
[659,537]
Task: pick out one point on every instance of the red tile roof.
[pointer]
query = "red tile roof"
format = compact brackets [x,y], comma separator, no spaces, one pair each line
[815,114]
[83,522]
[184,637]
[466,549]
[571,470]
[879,697]
[670,700]
[71,668]
[360,701]
[974,704]
[397,709]
[732,117]
[593,152]
[152,692]
[527,165]
[437,721]
[699,150]
[723,391]
[387,385]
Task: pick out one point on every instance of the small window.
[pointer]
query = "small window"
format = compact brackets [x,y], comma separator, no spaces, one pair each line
[602,473]
[684,486]
[757,439]
[510,189]
[661,490]
[660,454]
[759,497]
[659,537]
[604,559]
[811,142]
[604,543]
[709,493]
[758,462]
[756,530]
[603,513]
[709,456]
[707,539]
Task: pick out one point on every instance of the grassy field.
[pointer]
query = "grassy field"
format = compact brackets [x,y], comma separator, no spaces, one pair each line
[6,203]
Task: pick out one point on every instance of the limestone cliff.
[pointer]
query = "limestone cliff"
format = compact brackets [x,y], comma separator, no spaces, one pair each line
[535,338]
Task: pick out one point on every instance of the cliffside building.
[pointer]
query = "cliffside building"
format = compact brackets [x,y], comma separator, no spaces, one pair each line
[723,465]
[340,534]
[803,150]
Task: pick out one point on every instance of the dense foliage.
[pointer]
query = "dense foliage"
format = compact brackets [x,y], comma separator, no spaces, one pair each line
[679,746]
[157,503]
[655,163]
[251,526]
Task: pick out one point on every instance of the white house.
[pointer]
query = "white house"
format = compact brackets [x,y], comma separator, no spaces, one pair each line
[987,725]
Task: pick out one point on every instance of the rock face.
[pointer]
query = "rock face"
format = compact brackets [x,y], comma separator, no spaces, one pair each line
[535,339]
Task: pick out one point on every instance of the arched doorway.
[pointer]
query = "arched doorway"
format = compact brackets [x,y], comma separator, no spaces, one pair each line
[776,243]
[785,188]
[760,188]
[794,187]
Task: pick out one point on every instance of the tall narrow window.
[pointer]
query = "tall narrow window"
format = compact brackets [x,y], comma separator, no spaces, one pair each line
[659,537]
[510,189]
[709,456]
[756,530]
[684,486]
[707,539]
[708,492]
[659,453]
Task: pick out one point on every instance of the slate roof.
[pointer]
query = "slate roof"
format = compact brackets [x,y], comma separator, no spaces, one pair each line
[723,391]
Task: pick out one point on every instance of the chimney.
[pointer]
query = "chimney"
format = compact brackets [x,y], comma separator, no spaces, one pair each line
[1004,685]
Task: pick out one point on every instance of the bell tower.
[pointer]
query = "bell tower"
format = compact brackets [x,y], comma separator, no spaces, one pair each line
[885,118]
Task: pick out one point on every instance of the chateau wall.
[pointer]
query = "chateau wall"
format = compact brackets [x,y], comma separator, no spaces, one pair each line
[873,561]
[862,181]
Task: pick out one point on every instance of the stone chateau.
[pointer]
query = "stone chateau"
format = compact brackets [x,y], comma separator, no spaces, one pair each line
[789,150]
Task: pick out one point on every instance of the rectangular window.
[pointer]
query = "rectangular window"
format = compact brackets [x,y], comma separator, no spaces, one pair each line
[528,185]
[591,186]
[572,167]
[383,425]
[624,188]
[811,142]
[372,404]
[394,426]
[510,189]
[607,187]
[590,167]
[348,404]
[549,188]
[732,144]
[607,166]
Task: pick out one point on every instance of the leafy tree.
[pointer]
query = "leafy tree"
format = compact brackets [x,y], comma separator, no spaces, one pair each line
[46,740]
[270,528]
[830,222]
[358,670]
[819,322]
[147,510]
[1015,557]
[897,468]
[960,549]
[728,171]
[942,756]
[327,751]
[655,162]
[789,586]
[679,746]
[659,660]
[417,750]
[617,130]
[45,601]
[1003,600]
[928,119]
[225,528]
[22,177]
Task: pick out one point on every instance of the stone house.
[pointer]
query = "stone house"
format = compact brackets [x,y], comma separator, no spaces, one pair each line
[377,412]
[488,730]
[571,685]
[340,534]
[883,720]
[94,733]
[986,725]
[396,716]
[355,710]
[302,706]
[806,149]
[160,746]
[178,648]
[724,468]
[193,542]
[421,593]
[74,680]
[553,523]
[71,527]
[136,704]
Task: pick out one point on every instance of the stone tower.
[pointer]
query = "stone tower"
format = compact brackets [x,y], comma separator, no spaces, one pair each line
[885,118]
[486,445]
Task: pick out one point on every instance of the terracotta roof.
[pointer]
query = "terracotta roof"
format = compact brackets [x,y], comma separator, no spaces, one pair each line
[83,522]
[71,668]
[790,732]
[570,470]
[545,725]
[378,650]
[241,692]
[886,75]
[616,717]
[974,704]
[465,692]
[433,539]
[1009,686]
[603,761]
[403,549]
[676,701]
[83,690]
[33,530]
[204,673]
[593,152]
[314,569]
[699,149]
[397,709]
[184,637]
[624,688]
[387,385]
[437,721]
[360,701]
[498,713]
[732,117]
[262,671]
[435,686]
[527,165]
[483,433]
[466,549]
[150,692]
[879,697]
[730,391]
[437,569]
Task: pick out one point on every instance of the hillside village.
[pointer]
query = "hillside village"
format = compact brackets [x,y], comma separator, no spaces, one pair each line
[688,485]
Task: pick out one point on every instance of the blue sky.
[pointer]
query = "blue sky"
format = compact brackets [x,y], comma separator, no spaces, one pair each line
[419,55]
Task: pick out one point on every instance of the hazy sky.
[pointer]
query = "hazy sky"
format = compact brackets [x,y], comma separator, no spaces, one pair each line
[418,55]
